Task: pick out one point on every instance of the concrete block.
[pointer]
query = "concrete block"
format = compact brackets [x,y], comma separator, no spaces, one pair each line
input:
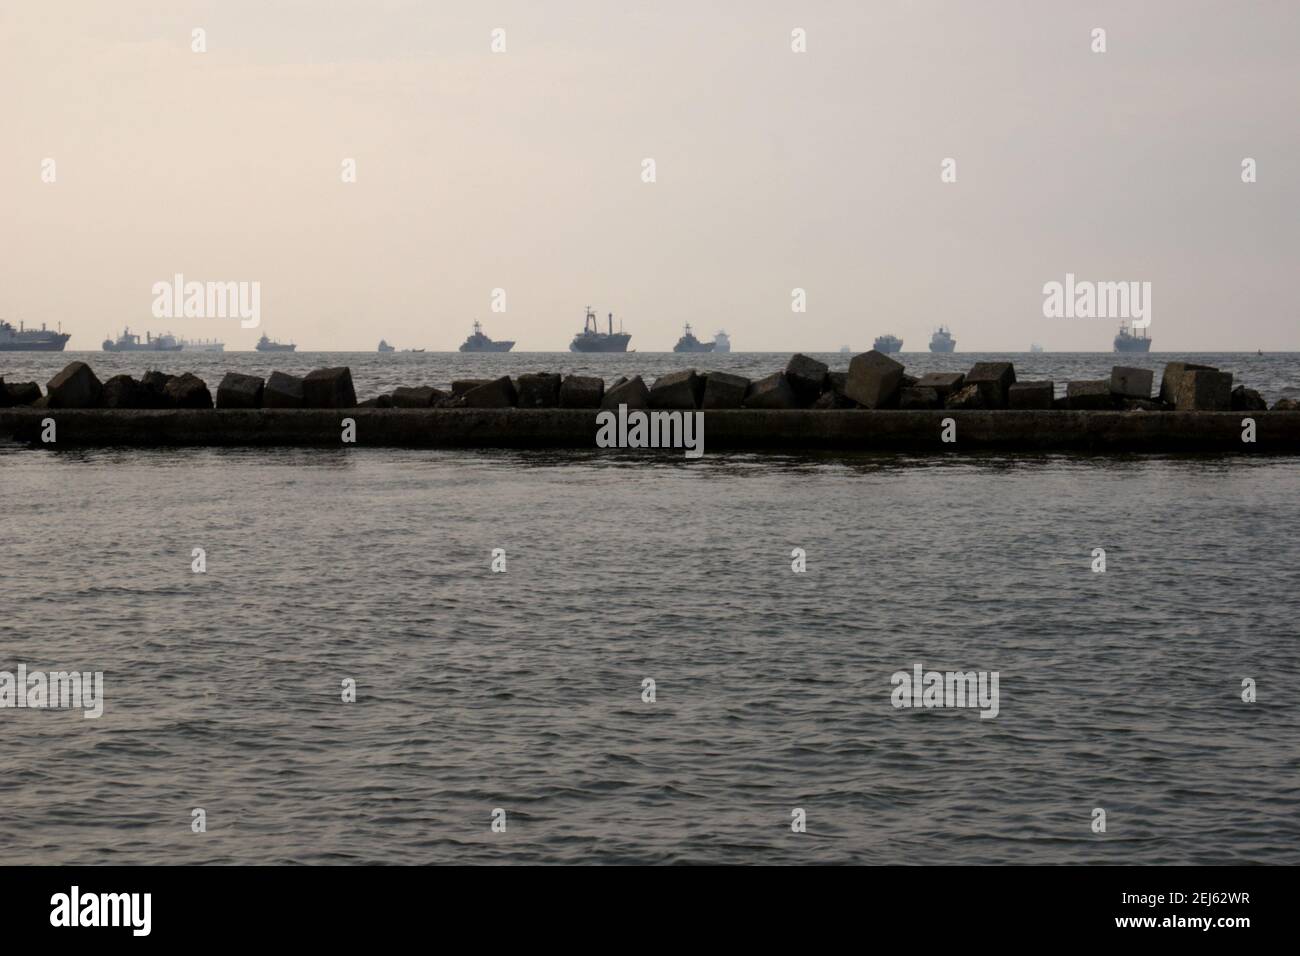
[1173,374]
[420,396]
[1204,390]
[329,388]
[994,380]
[874,379]
[1131,382]
[498,393]
[968,396]
[1038,395]
[772,392]
[461,386]
[282,391]
[919,397]
[1089,395]
[945,383]
[22,393]
[684,389]
[631,393]
[188,391]
[582,391]
[75,387]
[538,390]
[806,376]
[240,391]
[724,390]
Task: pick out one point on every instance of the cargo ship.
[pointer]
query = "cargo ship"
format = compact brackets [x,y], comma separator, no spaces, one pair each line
[942,340]
[888,344]
[721,341]
[385,347]
[590,339]
[478,342]
[202,345]
[689,343]
[264,344]
[128,341]
[31,340]
[1126,341]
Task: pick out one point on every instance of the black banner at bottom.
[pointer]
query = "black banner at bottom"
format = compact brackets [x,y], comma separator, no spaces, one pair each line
[218,904]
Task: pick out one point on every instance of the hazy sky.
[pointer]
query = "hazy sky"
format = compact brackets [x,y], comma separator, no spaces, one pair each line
[774,169]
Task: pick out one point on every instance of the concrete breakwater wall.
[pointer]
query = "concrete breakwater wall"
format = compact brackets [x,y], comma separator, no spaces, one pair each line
[875,405]
[735,429]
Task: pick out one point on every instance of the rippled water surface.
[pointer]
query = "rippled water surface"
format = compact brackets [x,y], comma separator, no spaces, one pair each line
[523,690]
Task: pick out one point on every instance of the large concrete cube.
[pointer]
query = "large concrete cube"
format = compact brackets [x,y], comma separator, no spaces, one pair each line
[329,388]
[538,390]
[419,396]
[631,393]
[1173,374]
[724,390]
[498,393]
[917,397]
[1031,395]
[1090,395]
[1131,382]
[806,376]
[684,389]
[282,391]
[1204,390]
[945,383]
[994,380]
[773,392]
[874,379]
[75,387]
[582,391]
[240,391]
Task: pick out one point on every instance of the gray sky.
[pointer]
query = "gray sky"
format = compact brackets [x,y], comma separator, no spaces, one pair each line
[775,170]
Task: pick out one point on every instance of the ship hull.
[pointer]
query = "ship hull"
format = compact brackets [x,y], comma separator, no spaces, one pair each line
[32,346]
[141,348]
[601,343]
[697,347]
[493,347]
[1133,345]
[888,348]
[943,346]
[277,348]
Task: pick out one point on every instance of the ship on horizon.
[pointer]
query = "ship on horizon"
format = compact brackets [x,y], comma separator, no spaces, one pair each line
[23,339]
[721,341]
[942,340]
[264,344]
[478,342]
[1126,341]
[129,341]
[202,345]
[888,344]
[385,347]
[590,339]
[689,343]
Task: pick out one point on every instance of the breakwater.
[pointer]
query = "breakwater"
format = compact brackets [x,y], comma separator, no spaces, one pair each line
[875,405]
